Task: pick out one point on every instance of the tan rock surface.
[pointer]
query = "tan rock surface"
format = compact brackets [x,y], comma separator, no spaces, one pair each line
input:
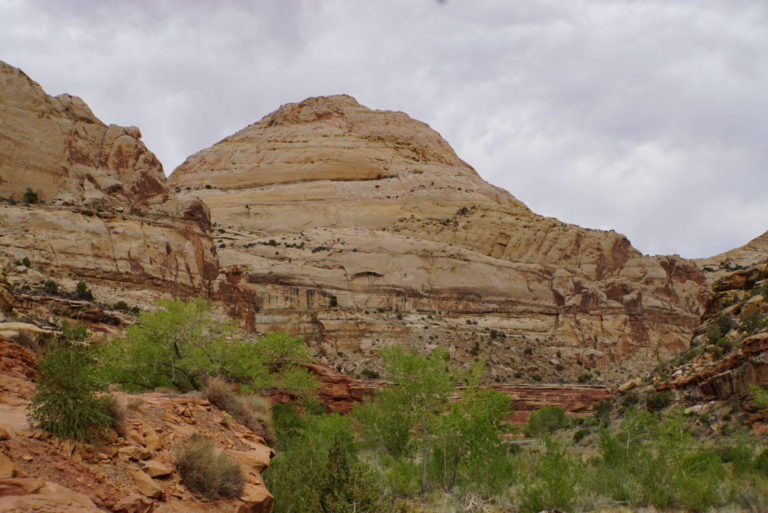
[748,255]
[106,216]
[328,202]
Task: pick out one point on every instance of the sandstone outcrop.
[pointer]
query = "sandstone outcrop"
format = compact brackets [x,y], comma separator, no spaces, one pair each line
[86,201]
[743,257]
[358,228]
[729,352]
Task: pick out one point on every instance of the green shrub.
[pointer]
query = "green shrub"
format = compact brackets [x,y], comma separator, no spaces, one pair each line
[579,435]
[545,421]
[334,302]
[208,472]
[657,401]
[585,378]
[251,411]
[66,403]
[370,374]
[51,287]
[554,484]
[30,197]
[83,292]
[122,306]
[753,322]
[602,410]
[527,351]
[25,262]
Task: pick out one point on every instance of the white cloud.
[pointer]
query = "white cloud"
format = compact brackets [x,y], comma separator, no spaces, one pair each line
[643,116]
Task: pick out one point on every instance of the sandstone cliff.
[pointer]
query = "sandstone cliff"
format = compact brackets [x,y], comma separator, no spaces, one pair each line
[84,201]
[729,350]
[358,228]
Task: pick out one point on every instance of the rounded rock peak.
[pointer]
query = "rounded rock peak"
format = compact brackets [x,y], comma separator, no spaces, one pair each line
[315,108]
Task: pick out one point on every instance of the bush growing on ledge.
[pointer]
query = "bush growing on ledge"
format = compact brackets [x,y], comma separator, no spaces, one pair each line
[50,287]
[30,197]
[66,403]
[83,292]
[657,401]
[208,472]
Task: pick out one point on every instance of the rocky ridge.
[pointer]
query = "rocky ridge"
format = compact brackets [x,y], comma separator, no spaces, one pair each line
[357,228]
[86,201]
[729,350]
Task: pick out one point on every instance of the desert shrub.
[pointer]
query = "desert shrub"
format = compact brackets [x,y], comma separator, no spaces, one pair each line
[66,403]
[585,378]
[657,401]
[251,411]
[25,262]
[546,421]
[333,302]
[50,287]
[371,374]
[122,306]
[579,435]
[30,197]
[83,292]
[208,472]
[602,411]
[753,322]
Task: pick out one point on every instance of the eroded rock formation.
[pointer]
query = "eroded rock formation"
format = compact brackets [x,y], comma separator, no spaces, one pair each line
[357,228]
[86,201]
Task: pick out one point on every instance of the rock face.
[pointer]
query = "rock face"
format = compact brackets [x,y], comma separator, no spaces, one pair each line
[746,256]
[729,351]
[358,228]
[88,202]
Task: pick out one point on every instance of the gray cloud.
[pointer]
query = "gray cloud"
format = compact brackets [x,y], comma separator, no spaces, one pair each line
[642,116]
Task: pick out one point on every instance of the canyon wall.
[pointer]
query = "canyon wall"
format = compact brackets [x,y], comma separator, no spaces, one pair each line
[359,228]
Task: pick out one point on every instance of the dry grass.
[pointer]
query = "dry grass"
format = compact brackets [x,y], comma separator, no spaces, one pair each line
[206,471]
[251,411]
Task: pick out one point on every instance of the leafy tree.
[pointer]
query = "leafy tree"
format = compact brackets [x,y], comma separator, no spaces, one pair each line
[66,403]
[405,413]
[83,292]
[181,344]
[554,484]
[320,469]
[546,421]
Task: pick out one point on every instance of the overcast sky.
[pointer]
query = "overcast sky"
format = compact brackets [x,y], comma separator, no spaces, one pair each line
[647,117]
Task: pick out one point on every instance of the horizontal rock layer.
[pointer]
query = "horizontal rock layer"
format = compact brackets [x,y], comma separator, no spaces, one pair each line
[88,202]
[359,228]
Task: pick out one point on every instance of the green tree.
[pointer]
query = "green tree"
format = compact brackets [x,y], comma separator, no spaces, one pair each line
[182,344]
[66,403]
[546,421]
[406,412]
[320,469]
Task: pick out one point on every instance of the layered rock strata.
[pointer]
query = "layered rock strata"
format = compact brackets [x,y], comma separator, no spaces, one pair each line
[86,201]
[729,352]
[359,228]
